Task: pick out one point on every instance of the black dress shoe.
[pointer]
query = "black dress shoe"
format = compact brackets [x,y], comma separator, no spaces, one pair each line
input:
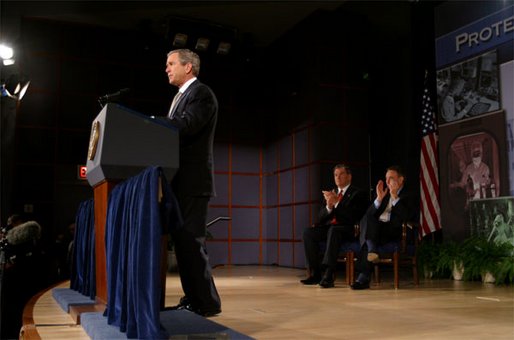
[359,285]
[182,304]
[205,312]
[311,280]
[176,307]
[183,301]
[208,312]
[327,283]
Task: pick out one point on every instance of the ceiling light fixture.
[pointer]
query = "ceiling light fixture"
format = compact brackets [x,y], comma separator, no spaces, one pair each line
[6,52]
[223,48]
[202,44]
[180,40]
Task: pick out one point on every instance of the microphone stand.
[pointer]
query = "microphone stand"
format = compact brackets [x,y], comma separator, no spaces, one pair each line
[108,98]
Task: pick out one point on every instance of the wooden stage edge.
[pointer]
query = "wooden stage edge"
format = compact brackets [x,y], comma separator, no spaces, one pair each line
[28,329]
[269,302]
[43,317]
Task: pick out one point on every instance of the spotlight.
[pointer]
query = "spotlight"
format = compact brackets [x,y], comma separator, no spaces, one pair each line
[180,40]
[18,93]
[8,62]
[23,90]
[6,52]
[223,48]
[202,44]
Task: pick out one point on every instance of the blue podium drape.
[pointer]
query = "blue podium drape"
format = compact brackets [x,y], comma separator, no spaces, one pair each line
[83,274]
[133,233]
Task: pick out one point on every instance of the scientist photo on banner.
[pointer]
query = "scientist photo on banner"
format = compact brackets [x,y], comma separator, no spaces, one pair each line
[473,169]
[468,89]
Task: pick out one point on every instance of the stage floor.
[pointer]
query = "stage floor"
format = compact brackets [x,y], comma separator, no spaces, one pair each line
[267,302]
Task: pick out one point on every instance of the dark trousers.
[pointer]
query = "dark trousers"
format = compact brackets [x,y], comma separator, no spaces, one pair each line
[377,232]
[334,236]
[192,259]
[364,267]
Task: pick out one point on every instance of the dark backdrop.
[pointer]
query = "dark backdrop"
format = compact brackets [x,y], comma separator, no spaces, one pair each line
[359,68]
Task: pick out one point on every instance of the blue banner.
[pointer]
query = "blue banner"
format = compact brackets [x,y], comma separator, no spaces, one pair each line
[479,36]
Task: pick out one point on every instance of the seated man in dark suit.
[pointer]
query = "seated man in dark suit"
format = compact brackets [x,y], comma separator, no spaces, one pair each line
[342,209]
[383,221]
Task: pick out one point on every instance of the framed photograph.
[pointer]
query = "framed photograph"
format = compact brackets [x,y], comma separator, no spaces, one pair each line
[473,165]
[468,89]
[474,168]
[493,218]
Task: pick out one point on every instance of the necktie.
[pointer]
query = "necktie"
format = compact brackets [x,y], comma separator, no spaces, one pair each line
[339,198]
[174,104]
[386,214]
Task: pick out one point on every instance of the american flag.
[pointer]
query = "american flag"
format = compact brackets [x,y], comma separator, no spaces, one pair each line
[430,219]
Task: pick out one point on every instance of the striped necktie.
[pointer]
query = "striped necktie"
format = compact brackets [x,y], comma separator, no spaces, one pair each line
[174,104]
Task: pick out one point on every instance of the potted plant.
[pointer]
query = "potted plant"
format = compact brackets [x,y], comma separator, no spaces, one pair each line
[426,255]
[504,271]
[458,270]
[482,259]
[450,261]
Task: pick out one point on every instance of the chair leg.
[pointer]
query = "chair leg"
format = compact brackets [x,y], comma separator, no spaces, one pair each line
[376,274]
[352,267]
[396,259]
[348,266]
[415,272]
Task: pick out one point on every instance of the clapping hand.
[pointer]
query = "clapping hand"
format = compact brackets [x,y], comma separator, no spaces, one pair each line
[382,190]
[394,187]
[330,198]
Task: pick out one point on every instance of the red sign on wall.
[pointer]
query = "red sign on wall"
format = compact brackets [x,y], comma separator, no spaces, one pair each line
[82,172]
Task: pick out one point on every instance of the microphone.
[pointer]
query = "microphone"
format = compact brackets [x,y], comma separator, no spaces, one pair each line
[28,231]
[109,97]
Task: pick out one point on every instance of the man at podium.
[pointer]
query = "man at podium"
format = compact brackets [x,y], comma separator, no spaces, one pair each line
[194,112]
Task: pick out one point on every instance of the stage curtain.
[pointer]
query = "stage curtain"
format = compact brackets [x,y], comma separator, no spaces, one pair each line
[83,278]
[136,221]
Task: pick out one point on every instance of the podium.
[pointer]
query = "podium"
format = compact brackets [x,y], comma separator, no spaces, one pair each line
[123,143]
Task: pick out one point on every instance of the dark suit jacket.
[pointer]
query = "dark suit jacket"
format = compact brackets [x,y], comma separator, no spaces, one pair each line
[403,211]
[195,117]
[349,211]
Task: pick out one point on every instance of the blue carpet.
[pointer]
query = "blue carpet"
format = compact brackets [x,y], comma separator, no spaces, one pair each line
[95,325]
[184,322]
[180,324]
[67,297]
